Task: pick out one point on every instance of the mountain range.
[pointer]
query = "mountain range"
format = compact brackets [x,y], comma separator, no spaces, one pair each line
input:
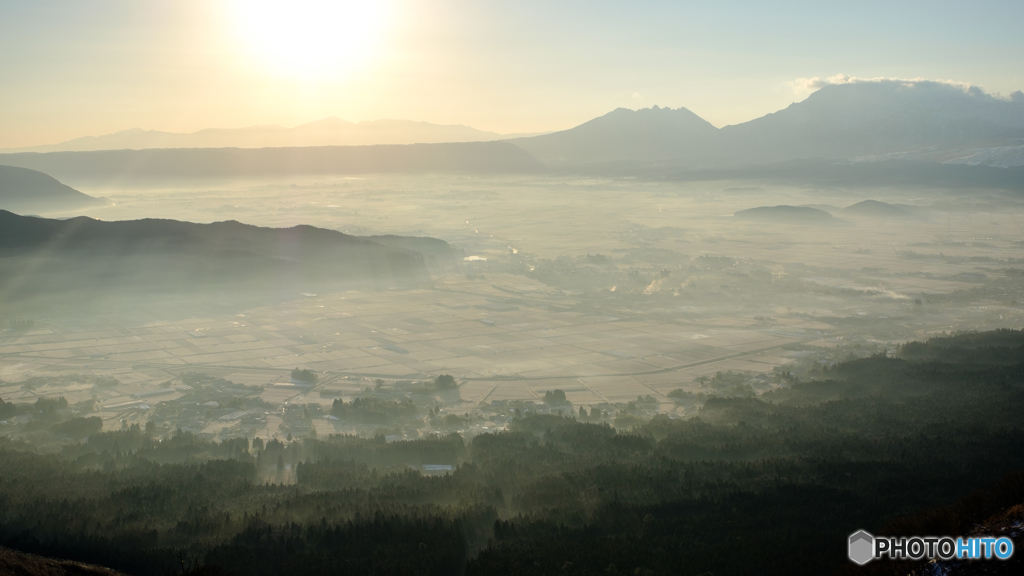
[459,157]
[891,131]
[858,121]
[326,132]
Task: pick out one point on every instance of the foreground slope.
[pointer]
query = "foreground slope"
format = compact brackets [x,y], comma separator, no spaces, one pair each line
[770,484]
[24,190]
[78,256]
[14,563]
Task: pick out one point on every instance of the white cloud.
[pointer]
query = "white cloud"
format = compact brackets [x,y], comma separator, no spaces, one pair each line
[808,85]
[804,86]
[636,96]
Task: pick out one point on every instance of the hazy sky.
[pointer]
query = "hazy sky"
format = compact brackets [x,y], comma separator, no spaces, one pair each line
[73,67]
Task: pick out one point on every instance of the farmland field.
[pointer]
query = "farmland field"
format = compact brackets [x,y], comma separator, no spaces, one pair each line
[662,286]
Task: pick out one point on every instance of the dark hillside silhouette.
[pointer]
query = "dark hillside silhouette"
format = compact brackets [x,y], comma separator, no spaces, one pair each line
[49,256]
[23,190]
[14,563]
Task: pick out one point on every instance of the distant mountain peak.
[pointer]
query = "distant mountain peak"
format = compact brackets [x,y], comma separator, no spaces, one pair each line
[878,117]
[653,110]
[623,134]
[845,119]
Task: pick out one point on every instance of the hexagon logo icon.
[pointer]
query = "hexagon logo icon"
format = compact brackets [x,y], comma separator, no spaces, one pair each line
[861,547]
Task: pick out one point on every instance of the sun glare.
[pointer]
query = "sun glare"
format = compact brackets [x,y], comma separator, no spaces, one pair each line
[311,39]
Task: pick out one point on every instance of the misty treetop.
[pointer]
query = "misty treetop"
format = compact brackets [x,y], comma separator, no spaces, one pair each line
[445,382]
[304,375]
[555,396]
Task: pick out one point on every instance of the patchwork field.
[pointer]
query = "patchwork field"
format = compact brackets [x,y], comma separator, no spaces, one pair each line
[415,334]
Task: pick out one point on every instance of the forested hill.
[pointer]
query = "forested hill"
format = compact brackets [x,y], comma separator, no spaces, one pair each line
[771,484]
[786,215]
[45,256]
[23,190]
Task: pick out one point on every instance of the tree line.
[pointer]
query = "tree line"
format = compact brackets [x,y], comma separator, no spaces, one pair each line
[775,482]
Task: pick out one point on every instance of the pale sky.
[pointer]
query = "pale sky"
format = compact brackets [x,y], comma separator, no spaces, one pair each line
[70,68]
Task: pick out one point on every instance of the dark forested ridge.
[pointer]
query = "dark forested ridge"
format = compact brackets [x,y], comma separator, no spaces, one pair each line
[772,483]
[22,190]
[43,256]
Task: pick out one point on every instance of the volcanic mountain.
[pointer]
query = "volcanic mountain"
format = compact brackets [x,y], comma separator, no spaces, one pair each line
[923,120]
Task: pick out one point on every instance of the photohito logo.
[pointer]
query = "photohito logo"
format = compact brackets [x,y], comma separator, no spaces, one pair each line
[862,547]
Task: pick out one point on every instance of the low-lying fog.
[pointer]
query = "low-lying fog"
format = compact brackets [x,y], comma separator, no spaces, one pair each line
[628,295]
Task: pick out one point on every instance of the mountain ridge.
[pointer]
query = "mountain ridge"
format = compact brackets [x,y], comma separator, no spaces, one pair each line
[82,255]
[926,119]
[846,120]
[329,131]
[24,189]
[622,134]
[928,122]
[463,157]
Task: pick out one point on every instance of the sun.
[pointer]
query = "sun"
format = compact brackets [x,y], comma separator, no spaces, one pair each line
[310,39]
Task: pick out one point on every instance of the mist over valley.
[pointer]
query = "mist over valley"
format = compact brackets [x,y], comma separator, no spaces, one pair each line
[557,329]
